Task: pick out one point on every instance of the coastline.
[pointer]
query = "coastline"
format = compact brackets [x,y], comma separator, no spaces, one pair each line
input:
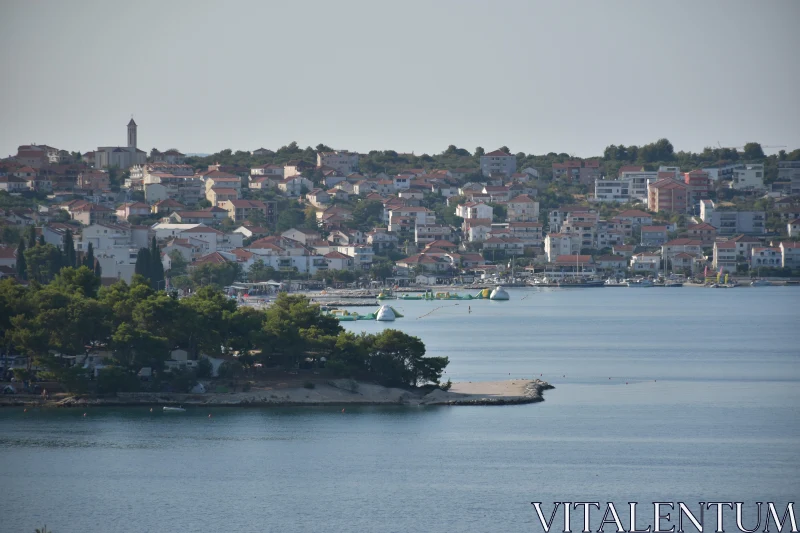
[335,393]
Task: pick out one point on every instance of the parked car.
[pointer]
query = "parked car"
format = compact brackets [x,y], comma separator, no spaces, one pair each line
[8,389]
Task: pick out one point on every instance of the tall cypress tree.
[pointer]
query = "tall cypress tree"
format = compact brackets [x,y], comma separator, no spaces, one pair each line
[22,265]
[69,250]
[143,263]
[40,241]
[97,270]
[31,236]
[88,259]
[156,266]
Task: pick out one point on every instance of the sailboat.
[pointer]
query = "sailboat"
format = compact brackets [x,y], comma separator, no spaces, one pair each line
[579,280]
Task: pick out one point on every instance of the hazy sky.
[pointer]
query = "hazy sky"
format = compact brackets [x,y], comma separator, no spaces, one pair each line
[563,76]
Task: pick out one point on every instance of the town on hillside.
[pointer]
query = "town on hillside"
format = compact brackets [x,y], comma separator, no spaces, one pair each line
[326,217]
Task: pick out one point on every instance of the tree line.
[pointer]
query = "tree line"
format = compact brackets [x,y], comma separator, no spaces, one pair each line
[137,326]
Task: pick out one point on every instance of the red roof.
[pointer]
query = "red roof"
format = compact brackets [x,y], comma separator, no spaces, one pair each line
[728,245]
[684,242]
[633,213]
[573,259]
[336,255]
[441,244]
[8,252]
[498,153]
[654,229]
[214,258]
[522,198]
[702,225]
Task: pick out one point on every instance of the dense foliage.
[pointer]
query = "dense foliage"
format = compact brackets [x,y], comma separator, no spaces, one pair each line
[137,327]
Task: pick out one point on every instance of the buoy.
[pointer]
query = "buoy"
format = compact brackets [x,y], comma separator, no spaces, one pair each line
[626,383]
[151,409]
[24,410]
[84,414]
[343,410]
[209,415]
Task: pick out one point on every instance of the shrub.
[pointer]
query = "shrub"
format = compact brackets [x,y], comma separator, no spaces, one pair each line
[115,379]
[204,368]
[446,386]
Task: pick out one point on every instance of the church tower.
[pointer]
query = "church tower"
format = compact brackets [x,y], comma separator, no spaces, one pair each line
[132,135]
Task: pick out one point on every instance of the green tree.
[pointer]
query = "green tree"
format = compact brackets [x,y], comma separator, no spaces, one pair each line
[43,262]
[22,266]
[399,359]
[178,263]
[143,263]
[753,151]
[69,249]
[260,272]
[156,267]
[88,259]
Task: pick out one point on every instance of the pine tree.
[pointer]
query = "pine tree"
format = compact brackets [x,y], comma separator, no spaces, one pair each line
[88,260]
[143,263]
[69,250]
[22,265]
[156,267]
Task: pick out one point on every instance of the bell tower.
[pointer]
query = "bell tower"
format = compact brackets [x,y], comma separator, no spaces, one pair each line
[132,135]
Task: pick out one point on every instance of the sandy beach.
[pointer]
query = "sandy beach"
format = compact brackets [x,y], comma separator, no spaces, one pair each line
[335,392]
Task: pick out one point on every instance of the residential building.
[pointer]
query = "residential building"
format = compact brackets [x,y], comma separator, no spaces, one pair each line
[625,250]
[653,235]
[340,160]
[381,239]
[522,209]
[667,195]
[790,255]
[560,244]
[427,233]
[424,263]
[94,180]
[506,245]
[295,185]
[530,233]
[209,215]
[793,228]
[671,248]
[498,162]
[216,178]
[318,198]
[703,232]
[612,263]
[474,210]
[729,222]
[570,170]
[725,256]
[698,183]
[274,171]
[789,171]
[295,167]
[611,191]
[126,210]
[240,210]
[723,171]
[217,195]
[645,263]
[750,177]
[638,181]
[477,229]
[590,172]
[89,213]
[557,217]
[13,184]
[765,257]
[171,157]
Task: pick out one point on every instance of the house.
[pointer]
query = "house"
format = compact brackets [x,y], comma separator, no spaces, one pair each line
[671,248]
[654,235]
[625,250]
[89,213]
[165,207]
[638,181]
[260,152]
[8,256]
[275,171]
[530,233]
[615,263]
[498,162]
[698,183]
[240,210]
[765,257]
[645,262]
[427,233]
[703,232]
[252,231]
[522,209]
[216,178]
[611,191]
[745,245]
[140,209]
[295,185]
[209,215]
[477,229]
[338,261]
[381,239]
[507,245]
[338,194]
[683,262]
[94,180]
[570,170]
[790,255]
[560,244]
[13,184]
[318,197]
[668,195]
[474,210]
[261,183]
[725,256]
[340,160]
[589,172]
[574,264]
[793,228]
[425,263]
[303,236]
[295,167]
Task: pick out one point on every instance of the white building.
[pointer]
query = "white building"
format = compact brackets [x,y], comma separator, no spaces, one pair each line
[122,157]
[749,177]
[556,244]
[765,257]
[474,210]
[612,191]
[522,209]
[729,222]
[638,182]
[498,162]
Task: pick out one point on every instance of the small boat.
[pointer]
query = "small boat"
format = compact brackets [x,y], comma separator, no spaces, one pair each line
[760,283]
[640,283]
[174,410]
[673,283]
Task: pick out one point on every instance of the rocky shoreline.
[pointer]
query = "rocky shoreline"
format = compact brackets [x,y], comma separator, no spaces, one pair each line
[338,393]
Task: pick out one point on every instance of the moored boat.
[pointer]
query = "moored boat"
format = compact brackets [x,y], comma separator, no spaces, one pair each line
[174,409]
[641,283]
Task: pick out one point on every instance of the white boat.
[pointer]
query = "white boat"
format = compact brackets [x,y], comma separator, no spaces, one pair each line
[760,283]
[385,314]
[174,409]
[640,283]
[499,293]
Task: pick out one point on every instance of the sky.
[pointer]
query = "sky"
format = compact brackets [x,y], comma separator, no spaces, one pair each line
[411,76]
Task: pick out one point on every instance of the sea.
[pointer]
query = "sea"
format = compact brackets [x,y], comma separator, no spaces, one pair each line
[662,394]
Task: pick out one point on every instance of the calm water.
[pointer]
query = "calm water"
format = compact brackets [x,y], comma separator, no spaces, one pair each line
[702,404]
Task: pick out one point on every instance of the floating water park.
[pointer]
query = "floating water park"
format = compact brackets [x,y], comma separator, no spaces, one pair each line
[498,293]
[385,313]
